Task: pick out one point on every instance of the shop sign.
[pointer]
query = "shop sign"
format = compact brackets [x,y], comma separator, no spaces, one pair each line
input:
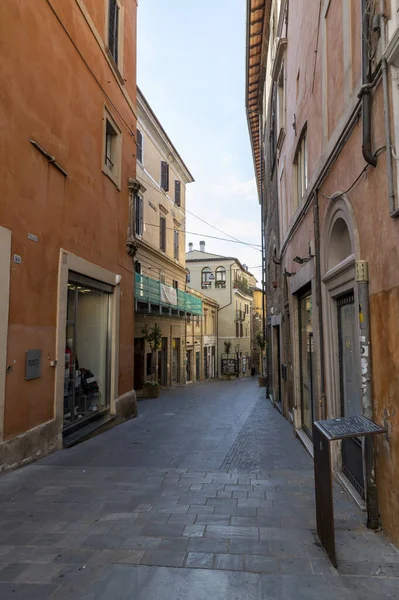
[33,364]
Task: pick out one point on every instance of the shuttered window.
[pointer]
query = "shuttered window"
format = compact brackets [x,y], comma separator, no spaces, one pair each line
[177,192]
[139,146]
[164,175]
[138,215]
[113,29]
[162,233]
[176,245]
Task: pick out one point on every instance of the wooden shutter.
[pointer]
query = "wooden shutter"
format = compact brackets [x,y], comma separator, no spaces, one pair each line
[113,29]
[162,230]
[138,216]
[164,175]
[177,192]
[139,146]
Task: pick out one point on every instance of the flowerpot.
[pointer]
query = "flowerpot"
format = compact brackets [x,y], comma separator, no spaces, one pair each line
[262,381]
[151,391]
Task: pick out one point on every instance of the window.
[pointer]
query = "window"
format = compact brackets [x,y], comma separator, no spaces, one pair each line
[139,146]
[301,162]
[111,136]
[246,309]
[137,267]
[188,276]
[176,244]
[197,321]
[164,176]
[220,281]
[138,215]
[162,233]
[177,192]
[206,278]
[175,284]
[162,278]
[281,101]
[113,29]
[241,330]
[237,329]
[112,146]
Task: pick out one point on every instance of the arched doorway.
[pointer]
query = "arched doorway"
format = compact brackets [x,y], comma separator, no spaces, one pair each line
[341,323]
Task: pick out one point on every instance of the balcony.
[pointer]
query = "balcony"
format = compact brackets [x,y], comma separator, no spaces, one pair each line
[220,283]
[242,285]
[240,315]
[152,296]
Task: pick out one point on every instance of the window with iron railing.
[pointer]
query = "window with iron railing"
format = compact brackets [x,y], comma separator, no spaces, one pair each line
[206,278]
[113,29]
[220,281]
[111,136]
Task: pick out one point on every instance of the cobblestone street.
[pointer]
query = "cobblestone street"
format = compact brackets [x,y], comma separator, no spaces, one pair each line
[206,495]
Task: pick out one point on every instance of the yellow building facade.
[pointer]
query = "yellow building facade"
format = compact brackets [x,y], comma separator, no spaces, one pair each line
[158,234]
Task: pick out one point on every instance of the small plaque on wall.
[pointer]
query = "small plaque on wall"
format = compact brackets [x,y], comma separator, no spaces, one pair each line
[33,364]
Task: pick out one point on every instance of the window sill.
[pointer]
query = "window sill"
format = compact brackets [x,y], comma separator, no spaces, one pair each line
[114,66]
[112,177]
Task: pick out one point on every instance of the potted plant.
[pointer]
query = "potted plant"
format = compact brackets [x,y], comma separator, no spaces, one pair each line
[153,336]
[261,342]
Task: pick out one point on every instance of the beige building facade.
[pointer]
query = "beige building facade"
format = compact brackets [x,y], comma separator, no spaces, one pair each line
[228,282]
[201,340]
[158,202]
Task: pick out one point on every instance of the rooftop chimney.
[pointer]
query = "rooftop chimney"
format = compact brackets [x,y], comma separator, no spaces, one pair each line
[190,247]
[202,246]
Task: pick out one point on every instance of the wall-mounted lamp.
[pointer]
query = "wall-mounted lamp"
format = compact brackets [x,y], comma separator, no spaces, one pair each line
[287,273]
[300,260]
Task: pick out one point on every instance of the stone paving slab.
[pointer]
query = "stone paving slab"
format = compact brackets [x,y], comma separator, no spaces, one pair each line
[79,524]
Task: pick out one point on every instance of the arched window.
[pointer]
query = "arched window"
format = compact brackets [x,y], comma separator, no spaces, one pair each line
[340,243]
[220,281]
[206,278]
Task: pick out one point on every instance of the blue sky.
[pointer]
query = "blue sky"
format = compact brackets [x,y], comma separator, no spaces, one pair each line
[191,68]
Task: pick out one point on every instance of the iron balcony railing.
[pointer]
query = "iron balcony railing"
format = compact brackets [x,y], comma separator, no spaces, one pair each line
[148,291]
[240,315]
[242,285]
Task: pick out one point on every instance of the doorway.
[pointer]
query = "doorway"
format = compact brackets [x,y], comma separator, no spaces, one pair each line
[306,362]
[349,370]
[189,365]
[138,363]
[276,364]
[176,360]
[163,363]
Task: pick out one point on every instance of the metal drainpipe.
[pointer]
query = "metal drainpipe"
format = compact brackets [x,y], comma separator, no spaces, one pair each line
[387,118]
[362,280]
[316,213]
[366,97]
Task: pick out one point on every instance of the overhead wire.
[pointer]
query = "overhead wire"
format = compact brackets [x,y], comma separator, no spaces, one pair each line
[208,236]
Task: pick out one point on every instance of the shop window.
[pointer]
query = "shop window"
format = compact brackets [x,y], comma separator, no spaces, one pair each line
[87,349]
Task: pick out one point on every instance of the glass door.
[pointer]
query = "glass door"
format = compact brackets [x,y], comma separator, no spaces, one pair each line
[349,359]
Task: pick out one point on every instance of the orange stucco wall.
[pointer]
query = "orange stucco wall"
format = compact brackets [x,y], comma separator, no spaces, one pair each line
[54,90]
[323,77]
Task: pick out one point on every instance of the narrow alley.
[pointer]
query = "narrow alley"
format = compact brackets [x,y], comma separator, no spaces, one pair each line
[206,495]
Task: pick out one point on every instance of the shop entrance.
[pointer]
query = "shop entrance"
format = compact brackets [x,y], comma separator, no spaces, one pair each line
[189,365]
[351,405]
[87,349]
